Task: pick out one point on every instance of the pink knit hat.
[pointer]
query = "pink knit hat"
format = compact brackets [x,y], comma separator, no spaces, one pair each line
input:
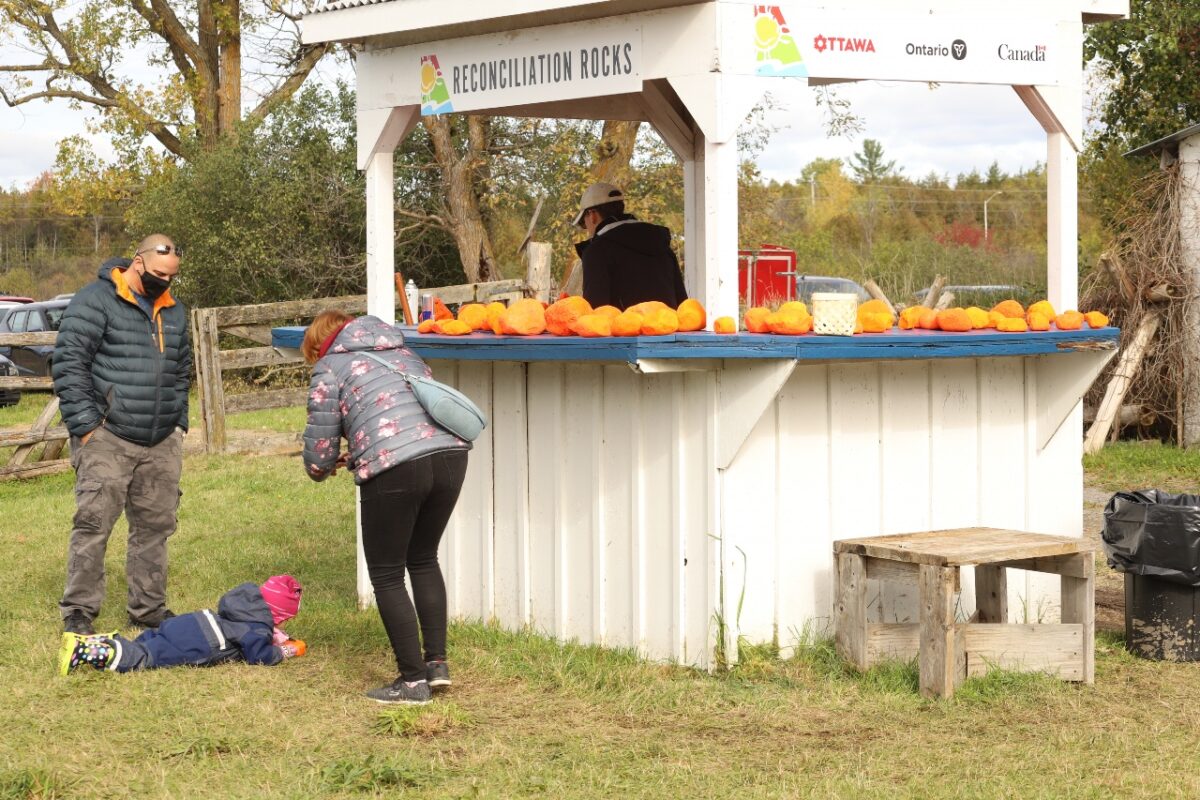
[282,593]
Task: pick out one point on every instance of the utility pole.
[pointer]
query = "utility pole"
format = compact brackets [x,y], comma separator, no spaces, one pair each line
[985,225]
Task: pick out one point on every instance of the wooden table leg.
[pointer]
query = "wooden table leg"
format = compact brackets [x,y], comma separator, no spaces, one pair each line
[991,593]
[1079,606]
[941,660]
[851,609]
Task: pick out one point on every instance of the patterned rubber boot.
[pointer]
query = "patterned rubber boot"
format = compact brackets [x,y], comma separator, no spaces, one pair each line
[97,651]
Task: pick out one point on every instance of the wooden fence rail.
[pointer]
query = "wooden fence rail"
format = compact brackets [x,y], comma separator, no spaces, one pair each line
[25,438]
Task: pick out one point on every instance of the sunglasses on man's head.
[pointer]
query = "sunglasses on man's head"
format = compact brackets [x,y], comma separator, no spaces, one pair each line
[163,250]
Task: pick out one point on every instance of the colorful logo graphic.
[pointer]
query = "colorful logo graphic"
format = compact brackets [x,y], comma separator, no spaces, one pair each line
[435,97]
[778,54]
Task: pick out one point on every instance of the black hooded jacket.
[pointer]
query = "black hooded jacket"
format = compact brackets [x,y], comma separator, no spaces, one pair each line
[629,262]
[117,366]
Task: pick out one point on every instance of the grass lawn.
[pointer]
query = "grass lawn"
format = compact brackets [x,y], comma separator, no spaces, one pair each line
[526,718]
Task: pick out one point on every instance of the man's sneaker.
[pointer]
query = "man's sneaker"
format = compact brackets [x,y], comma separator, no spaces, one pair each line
[437,674]
[78,622]
[400,691]
[152,622]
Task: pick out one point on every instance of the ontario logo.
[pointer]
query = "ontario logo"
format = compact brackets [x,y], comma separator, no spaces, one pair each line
[435,97]
[778,54]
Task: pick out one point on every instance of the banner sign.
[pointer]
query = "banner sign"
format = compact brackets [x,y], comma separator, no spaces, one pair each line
[795,41]
[587,60]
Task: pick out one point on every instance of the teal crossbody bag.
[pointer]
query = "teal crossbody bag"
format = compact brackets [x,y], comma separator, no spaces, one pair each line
[449,407]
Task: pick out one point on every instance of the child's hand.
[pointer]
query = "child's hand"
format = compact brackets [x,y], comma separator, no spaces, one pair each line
[293,648]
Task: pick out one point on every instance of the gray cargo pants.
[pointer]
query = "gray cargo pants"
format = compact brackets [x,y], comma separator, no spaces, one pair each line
[112,474]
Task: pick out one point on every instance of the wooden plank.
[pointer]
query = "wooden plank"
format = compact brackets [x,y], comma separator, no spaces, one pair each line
[578,529]
[545,414]
[254,333]
[954,453]
[941,661]
[1079,606]
[226,316]
[34,470]
[696,484]
[12,437]
[657,518]
[26,383]
[851,610]
[873,289]
[473,513]
[1057,649]
[888,641]
[963,546]
[39,426]
[270,398]
[29,339]
[991,593]
[210,390]
[1059,565]
[255,357]
[883,569]
[537,270]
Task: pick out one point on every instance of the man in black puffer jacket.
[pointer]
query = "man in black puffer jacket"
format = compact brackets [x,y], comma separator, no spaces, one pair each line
[626,261]
[122,365]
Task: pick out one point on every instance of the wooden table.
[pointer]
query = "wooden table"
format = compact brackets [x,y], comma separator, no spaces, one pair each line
[948,650]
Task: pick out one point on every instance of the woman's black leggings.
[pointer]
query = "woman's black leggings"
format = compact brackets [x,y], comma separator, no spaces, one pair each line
[404,513]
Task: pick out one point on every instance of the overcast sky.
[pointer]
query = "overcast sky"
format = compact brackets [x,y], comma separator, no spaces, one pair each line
[948,130]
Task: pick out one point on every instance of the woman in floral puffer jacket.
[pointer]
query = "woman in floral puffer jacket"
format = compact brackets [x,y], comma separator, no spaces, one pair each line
[409,471]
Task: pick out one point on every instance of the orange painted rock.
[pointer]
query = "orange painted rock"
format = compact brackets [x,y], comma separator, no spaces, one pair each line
[794,306]
[523,318]
[475,315]
[879,310]
[1069,321]
[691,316]
[954,319]
[661,322]
[494,310]
[756,319]
[426,326]
[789,323]
[979,317]
[592,325]
[725,325]
[928,320]
[1010,308]
[628,323]
[994,318]
[1037,321]
[911,317]
[858,326]
[1012,325]
[440,311]
[1096,320]
[650,305]
[1042,307]
[562,313]
[612,312]
[876,322]
[451,327]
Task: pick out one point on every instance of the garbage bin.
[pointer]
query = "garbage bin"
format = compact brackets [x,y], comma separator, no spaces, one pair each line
[1154,538]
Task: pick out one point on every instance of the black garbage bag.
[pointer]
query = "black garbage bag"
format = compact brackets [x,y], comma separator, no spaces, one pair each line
[1154,533]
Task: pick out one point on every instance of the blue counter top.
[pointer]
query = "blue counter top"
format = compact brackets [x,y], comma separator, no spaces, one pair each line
[895,344]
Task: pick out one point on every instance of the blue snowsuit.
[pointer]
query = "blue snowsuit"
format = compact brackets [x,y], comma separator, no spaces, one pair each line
[241,630]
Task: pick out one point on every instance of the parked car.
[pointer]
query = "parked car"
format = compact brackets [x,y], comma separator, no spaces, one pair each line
[8,397]
[32,360]
[808,285]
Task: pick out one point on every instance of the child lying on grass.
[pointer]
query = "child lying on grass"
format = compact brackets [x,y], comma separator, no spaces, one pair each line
[244,628]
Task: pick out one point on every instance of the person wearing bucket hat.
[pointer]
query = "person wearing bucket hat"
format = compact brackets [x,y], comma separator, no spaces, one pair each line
[625,261]
[245,627]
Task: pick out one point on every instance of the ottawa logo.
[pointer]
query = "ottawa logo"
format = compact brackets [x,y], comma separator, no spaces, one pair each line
[842,44]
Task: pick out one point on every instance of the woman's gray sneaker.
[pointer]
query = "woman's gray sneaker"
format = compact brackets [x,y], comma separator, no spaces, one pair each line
[400,691]
[437,674]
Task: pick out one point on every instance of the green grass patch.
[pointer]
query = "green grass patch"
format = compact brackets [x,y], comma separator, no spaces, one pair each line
[526,717]
[1126,466]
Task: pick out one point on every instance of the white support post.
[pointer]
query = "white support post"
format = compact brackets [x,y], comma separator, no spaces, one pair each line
[1062,222]
[711,225]
[381,256]
[1189,254]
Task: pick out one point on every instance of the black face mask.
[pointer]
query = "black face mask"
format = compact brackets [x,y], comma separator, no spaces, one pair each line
[153,286]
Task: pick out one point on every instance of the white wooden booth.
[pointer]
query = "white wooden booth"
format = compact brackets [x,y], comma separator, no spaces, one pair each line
[657,500]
